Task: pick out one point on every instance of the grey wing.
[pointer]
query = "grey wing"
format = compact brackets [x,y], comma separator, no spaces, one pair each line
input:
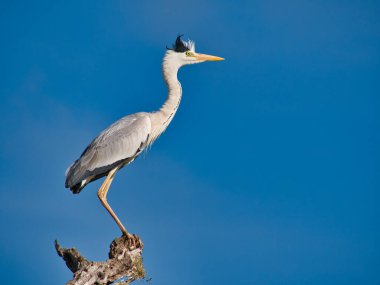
[117,145]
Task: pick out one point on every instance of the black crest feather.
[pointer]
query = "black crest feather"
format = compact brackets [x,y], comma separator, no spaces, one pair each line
[179,45]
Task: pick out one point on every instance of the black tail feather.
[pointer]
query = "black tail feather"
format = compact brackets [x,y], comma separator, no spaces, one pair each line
[77,188]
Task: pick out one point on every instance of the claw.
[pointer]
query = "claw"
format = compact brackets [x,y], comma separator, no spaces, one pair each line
[133,241]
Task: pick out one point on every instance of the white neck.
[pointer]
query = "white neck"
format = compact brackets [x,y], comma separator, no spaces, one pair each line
[162,118]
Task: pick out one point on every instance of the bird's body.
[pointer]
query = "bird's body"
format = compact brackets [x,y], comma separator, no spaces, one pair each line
[117,145]
[124,140]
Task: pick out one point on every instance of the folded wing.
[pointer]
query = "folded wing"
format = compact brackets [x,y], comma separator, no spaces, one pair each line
[117,145]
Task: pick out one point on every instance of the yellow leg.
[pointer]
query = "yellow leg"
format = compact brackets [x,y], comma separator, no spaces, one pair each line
[102,194]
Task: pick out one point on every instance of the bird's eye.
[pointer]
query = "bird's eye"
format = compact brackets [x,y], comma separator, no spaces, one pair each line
[189,53]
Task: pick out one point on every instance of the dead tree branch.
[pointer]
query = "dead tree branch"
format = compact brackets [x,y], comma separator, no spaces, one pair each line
[124,261]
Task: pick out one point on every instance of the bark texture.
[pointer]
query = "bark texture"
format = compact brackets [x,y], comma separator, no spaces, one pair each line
[124,262]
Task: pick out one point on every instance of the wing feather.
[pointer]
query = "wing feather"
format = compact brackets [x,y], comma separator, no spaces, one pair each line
[120,142]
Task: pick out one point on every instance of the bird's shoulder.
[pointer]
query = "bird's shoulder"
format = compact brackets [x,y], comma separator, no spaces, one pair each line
[137,126]
[123,139]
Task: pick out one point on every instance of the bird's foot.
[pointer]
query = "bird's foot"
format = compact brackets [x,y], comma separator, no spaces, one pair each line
[133,241]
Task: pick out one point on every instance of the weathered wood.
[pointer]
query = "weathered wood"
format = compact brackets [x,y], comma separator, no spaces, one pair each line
[124,261]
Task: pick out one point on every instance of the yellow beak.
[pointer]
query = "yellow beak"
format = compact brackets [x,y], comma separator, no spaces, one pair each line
[206,57]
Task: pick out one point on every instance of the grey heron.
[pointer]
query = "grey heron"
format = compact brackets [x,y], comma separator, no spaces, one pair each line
[124,140]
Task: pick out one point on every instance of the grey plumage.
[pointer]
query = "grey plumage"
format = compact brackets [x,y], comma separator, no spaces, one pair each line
[119,144]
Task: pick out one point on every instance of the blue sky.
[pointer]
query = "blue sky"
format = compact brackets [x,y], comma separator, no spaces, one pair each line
[268,174]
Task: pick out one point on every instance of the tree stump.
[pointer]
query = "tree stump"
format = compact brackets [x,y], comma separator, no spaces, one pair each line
[125,262]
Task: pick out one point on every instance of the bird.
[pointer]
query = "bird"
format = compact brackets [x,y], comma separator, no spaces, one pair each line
[123,141]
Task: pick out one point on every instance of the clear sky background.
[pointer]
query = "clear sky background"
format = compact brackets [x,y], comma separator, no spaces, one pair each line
[268,174]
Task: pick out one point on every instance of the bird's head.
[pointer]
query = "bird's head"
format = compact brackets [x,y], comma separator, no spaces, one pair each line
[183,53]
